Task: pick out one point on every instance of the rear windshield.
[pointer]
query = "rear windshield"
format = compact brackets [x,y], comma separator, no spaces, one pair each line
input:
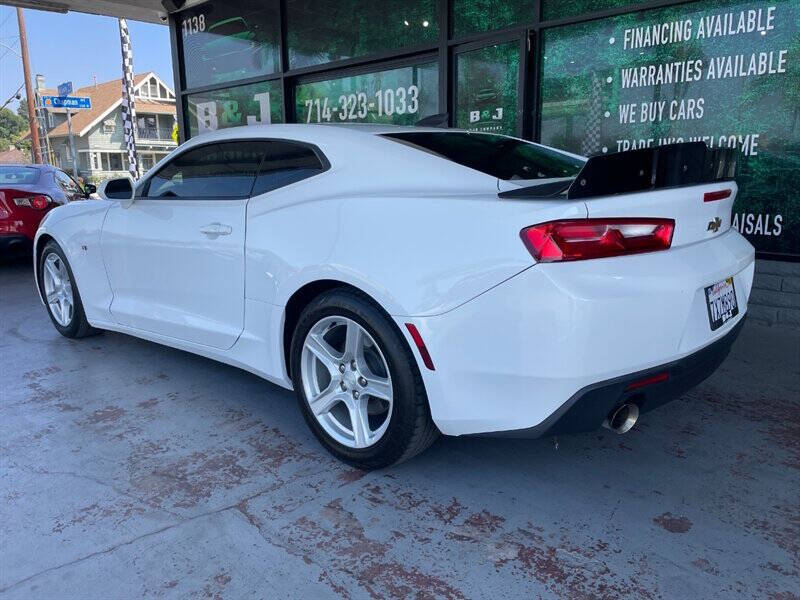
[496,155]
[11,175]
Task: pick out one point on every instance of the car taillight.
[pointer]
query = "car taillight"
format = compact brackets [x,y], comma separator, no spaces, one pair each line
[39,201]
[718,195]
[581,239]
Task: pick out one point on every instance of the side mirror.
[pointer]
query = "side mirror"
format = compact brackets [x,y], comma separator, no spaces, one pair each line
[117,189]
[89,189]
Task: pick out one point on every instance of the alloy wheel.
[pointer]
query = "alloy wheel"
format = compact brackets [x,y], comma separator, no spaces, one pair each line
[58,289]
[346,381]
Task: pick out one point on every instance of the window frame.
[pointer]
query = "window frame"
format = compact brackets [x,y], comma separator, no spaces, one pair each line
[529,30]
[178,66]
[121,161]
[441,12]
[184,114]
[523,99]
[143,189]
[323,160]
[355,71]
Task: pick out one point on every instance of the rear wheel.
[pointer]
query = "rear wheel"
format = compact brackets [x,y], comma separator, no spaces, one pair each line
[357,382]
[61,294]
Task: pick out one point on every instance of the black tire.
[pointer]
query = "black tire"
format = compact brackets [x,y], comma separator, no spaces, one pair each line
[411,429]
[78,327]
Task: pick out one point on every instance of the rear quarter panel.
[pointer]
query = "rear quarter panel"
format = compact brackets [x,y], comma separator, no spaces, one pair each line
[419,250]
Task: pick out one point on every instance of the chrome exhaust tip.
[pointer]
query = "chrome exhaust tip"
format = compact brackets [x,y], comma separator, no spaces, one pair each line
[622,419]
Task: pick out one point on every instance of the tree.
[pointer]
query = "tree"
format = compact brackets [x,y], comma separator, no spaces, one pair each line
[22,109]
[11,126]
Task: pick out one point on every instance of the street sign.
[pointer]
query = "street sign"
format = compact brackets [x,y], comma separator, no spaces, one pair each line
[65,89]
[67,101]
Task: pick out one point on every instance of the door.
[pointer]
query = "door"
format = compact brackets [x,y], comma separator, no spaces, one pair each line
[175,256]
[488,82]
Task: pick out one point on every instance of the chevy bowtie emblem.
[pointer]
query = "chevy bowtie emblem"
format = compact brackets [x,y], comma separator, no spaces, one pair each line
[714,225]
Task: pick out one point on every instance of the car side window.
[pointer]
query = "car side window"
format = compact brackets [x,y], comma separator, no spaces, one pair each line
[219,170]
[286,162]
[66,183]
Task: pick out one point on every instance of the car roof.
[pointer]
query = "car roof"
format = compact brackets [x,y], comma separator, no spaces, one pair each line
[26,165]
[38,167]
[357,146]
[379,128]
[329,137]
[311,131]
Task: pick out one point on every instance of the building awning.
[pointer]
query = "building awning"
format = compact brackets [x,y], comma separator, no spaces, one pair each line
[152,11]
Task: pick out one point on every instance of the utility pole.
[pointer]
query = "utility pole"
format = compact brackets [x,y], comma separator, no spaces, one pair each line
[36,149]
[41,117]
[72,145]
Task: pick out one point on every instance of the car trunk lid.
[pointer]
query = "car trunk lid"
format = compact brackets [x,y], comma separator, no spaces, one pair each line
[696,214]
[687,182]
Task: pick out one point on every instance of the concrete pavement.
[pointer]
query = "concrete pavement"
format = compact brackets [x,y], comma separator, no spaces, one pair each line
[132,470]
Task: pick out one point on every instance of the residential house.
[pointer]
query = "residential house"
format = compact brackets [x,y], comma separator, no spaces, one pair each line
[98,132]
[15,155]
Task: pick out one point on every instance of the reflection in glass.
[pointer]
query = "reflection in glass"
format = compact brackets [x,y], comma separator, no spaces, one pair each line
[400,96]
[212,171]
[496,155]
[475,16]
[284,164]
[486,89]
[598,96]
[228,41]
[254,104]
[559,9]
[322,31]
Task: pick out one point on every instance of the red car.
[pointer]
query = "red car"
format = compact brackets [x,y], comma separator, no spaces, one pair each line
[27,193]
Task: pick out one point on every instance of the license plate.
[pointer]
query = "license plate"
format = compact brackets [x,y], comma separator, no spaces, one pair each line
[721,303]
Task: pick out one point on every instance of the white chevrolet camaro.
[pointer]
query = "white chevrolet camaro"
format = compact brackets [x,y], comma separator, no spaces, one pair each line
[411,281]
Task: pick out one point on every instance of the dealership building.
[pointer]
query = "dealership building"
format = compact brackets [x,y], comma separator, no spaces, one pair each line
[588,76]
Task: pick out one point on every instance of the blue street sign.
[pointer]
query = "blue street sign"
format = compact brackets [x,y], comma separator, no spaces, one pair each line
[67,101]
[65,89]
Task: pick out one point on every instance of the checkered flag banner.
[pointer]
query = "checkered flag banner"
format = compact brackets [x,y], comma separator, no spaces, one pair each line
[128,108]
[590,144]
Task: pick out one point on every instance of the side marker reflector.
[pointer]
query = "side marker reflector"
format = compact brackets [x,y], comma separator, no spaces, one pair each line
[653,379]
[714,196]
[423,350]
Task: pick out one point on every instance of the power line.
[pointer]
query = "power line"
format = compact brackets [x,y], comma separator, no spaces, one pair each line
[9,49]
[8,16]
[13,96]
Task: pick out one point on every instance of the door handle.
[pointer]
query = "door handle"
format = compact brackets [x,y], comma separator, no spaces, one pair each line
[216,229]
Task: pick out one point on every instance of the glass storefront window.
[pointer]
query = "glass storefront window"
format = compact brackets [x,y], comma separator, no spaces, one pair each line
[718,71]
[225,41]
[322,31]
[560,9]
[486,88]
[400,96]
[253,104]
[475,16]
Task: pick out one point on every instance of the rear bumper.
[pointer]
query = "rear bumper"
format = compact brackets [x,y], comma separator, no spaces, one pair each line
[14,245]
[513,357]
[588,408]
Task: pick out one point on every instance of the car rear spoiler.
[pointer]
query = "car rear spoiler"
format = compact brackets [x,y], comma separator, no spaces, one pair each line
[670,166]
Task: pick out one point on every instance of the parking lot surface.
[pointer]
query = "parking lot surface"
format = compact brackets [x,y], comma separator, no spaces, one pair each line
[133,470]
